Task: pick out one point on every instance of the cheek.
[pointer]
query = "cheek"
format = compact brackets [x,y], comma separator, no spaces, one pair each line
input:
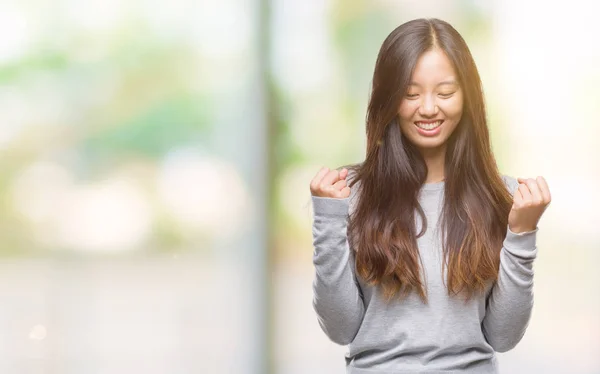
[453,109]
[407,110]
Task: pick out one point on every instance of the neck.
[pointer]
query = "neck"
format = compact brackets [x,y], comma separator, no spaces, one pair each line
[435,161]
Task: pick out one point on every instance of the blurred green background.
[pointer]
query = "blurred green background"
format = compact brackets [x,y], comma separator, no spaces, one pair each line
[155,160]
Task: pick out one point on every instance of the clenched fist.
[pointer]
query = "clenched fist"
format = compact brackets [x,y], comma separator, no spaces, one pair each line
[330,183]
[529,202]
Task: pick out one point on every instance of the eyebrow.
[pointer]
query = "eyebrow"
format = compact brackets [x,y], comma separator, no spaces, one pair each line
[448,82]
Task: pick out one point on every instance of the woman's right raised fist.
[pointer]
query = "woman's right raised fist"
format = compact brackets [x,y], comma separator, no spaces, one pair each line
[330,183]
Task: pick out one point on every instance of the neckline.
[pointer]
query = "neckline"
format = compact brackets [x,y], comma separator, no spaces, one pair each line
[433,186]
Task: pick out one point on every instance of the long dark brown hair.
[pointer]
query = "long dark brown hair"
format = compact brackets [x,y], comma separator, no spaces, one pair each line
[474,216]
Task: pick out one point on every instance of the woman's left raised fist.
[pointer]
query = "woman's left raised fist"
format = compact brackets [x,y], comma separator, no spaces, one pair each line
[530,200]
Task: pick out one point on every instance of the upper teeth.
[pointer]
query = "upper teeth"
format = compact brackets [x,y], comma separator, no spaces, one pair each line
[429,126]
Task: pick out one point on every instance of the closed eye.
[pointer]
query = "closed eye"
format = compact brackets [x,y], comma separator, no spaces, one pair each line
[446,95]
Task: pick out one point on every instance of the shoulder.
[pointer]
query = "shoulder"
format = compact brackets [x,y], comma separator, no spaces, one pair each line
[511,183]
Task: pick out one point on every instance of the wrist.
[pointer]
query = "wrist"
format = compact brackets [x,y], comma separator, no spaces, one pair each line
[521,229]
[523,244]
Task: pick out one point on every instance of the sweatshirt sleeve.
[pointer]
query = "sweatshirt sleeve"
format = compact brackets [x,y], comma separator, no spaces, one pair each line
[337,299]
[510,302]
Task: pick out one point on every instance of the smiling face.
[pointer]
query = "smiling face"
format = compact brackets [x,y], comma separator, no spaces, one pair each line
[433,104]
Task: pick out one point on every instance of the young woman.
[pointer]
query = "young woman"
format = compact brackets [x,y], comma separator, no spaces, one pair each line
[424,252]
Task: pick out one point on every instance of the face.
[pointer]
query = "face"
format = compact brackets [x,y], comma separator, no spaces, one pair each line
[433,104]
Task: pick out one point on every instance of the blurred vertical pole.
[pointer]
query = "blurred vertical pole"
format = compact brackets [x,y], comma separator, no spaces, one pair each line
[265,306]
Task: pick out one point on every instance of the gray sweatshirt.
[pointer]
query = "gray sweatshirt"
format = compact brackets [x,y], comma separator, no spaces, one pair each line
[408,336]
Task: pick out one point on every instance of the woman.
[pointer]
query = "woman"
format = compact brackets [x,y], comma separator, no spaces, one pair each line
[424,251]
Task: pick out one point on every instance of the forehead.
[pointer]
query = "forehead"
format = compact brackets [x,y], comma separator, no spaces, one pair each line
[433,67]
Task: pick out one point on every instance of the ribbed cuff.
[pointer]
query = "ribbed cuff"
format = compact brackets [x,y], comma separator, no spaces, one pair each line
[522,233]
[330,206]
[524,241]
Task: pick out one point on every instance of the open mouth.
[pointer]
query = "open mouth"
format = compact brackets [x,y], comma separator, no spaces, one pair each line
[429,125]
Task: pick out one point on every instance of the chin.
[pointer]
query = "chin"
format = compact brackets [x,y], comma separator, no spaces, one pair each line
[428,143]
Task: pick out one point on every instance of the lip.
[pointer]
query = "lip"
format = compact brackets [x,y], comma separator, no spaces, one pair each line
[433,132]
[429,121]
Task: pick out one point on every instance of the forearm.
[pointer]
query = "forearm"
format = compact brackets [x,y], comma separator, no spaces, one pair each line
[336,295]
[510,302]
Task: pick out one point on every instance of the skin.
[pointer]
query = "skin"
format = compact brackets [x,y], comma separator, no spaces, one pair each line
[330,183]
[434,94]
[530,200]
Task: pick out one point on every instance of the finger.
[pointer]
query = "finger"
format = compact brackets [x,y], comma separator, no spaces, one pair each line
[345,192]
[517,198]
[536,194]
[330,178]
[525,192]
[339,185]
[316,181]
[545,190]
[343,173]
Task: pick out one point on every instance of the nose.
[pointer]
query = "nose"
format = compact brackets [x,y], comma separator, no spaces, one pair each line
[428,107]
